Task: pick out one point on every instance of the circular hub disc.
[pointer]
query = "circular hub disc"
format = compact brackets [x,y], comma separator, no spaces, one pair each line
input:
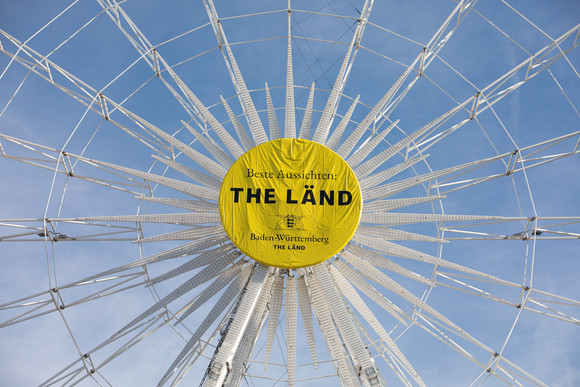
[290,203]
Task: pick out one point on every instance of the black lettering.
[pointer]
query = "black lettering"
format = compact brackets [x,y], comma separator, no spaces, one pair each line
[308,196]
[269,196]
[236,192]
[251,195]
[342,201]
[289,197]
[324,197]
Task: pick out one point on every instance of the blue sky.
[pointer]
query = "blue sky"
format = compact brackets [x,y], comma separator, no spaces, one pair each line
[475,55]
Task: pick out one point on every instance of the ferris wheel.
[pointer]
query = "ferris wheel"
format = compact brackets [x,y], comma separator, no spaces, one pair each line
[289,193]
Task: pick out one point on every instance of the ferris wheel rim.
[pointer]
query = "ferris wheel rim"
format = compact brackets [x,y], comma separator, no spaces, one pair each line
[531,231]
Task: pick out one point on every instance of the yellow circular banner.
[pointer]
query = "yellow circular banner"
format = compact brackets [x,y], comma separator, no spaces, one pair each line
[290,203]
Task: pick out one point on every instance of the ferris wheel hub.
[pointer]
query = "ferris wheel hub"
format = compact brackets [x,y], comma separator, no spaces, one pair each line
[290,203]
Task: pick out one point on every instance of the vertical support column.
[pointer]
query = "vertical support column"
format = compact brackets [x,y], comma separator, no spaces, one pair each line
[291,314]
[225,353]
[251,334]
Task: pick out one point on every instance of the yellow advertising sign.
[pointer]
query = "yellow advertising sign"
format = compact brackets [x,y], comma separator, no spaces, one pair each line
[290,203]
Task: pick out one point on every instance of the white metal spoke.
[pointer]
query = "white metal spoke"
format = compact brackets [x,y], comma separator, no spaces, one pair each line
[245,139]
[194,190]
[290,113]
[254,121]
[202,178]
[209,165]
[547,306]
[346,147]
[336,135]
[307,120]
[322,311]
[366,168]
[187,249]
[219,307]
[429,326]
[212,271]
[186,204]
[221,282]
[184,218]
[380,261]
[379,177]
[394,249]
[377,276]
[88,368]
[275,306]
[306,313]
[394,204]
[497,90]
[323,128]
[272,120]
[215,151]
[187,234]
[46,230]
[430,51]
[392,234]
[396,218]
[513,162]
[62,162]
[361,153]
[529,230]
[85,94]
[354,344]
[147,51]
[358,280]
[224,136]
[52,300]
[362,308]
[385,190]
[224,254]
